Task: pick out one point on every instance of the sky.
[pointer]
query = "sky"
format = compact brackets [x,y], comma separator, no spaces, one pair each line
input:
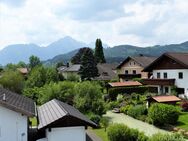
[135,22]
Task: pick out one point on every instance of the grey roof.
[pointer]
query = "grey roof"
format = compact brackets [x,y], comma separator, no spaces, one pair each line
[142,60]
[17,102]
[106,71]
[55,110]
[71,68]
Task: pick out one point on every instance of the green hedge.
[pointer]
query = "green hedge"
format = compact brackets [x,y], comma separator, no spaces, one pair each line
[113,92]
[137,111]
[120,132]
[161,114]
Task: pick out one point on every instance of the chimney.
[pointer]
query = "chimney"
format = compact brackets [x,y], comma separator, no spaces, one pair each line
[4,97]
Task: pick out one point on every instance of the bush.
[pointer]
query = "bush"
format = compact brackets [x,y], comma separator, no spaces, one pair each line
[124,109]
[184,106]
[137,111]
[161,114]
[120,132]
[166,137]
[120,98]
[73,77]
[111,105]
[95,118]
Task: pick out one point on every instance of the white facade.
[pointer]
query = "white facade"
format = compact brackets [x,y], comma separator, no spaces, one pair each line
[13,125]
[174,74]
[65,134]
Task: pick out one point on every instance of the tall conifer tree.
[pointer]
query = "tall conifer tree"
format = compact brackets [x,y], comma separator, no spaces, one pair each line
[99,54]
[88,69]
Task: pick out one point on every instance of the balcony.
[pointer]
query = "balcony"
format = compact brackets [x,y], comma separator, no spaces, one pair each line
[129,76]
[161,82]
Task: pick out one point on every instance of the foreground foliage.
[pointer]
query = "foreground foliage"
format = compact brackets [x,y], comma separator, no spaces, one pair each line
[161,114]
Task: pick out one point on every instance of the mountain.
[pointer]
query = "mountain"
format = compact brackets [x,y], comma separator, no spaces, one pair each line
[22,52]
[119,53]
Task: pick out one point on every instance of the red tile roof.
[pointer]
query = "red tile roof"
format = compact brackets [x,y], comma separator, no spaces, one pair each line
[125,84]
[166,98]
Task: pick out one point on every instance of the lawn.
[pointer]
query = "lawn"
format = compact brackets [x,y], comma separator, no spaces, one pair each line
[101,133]
[183,121]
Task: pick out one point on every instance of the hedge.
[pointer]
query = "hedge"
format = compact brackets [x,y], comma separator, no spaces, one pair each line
[113,92]
[120,132]
[166,137]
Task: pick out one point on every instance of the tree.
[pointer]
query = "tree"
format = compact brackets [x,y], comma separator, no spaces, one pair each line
[99,54]
[88,98]
[12,80]
[34,61]
[105,122]
[76,59]
[51,75]
[88,68]
[36,78]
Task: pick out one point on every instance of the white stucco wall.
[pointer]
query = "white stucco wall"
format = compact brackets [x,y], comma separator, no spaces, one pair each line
[13,126]
[66,134]
[173,74]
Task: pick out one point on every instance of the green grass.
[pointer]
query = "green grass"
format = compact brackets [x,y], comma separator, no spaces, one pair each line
[33,121]
[183,121]
[101,133]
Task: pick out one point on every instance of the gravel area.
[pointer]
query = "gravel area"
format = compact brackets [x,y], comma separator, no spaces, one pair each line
[148,129]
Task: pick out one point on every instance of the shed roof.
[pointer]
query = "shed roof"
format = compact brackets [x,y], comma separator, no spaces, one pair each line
[166,98]
[55,110]
[125,84]
[17,102]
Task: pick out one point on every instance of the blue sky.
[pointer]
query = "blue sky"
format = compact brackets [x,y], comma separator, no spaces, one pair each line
[136,22]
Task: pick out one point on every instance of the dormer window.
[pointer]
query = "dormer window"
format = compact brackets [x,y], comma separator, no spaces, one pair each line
[165,75]
[158,75]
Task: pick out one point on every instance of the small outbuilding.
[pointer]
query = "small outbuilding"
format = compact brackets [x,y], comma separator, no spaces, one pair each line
[168,99]
[60,121]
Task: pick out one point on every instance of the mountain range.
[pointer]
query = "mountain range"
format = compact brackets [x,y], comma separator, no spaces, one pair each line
[119,53]
[63,49]
[21,52]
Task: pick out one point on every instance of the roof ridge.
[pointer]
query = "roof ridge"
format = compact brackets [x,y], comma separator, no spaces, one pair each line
[62,108]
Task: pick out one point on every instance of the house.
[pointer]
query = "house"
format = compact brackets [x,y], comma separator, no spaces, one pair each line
[15,110]
[60,121]
[23,71]
[132,67]
[170,71]
[106,71]
[69,70]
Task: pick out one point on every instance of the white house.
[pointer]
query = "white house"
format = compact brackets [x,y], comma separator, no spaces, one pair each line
[59,121]
[170,71]
[14,112]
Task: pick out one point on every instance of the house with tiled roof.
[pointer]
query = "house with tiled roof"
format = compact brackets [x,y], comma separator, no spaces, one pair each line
[132,67]
[15,110]
[170,71]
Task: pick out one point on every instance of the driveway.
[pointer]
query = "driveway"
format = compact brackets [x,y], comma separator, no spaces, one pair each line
[148,129]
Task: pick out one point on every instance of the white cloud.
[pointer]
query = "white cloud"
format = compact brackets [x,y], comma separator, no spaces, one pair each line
[136,22]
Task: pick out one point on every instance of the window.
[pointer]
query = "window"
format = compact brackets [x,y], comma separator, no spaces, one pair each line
[134,71]
[165,74]
[134,63]
[130,63]
[180,75]
[158,75]
[126,72]
[166,90]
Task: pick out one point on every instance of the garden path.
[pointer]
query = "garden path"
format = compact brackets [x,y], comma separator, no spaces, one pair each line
[148,129]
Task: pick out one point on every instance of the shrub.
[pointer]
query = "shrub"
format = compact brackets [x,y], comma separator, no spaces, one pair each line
[95,118]
[166,137]
[124,109]
[73,77]
[137,111]
[120,132]
[104,122]
[120,98]
[161,114]
[184,105]
[112,104]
